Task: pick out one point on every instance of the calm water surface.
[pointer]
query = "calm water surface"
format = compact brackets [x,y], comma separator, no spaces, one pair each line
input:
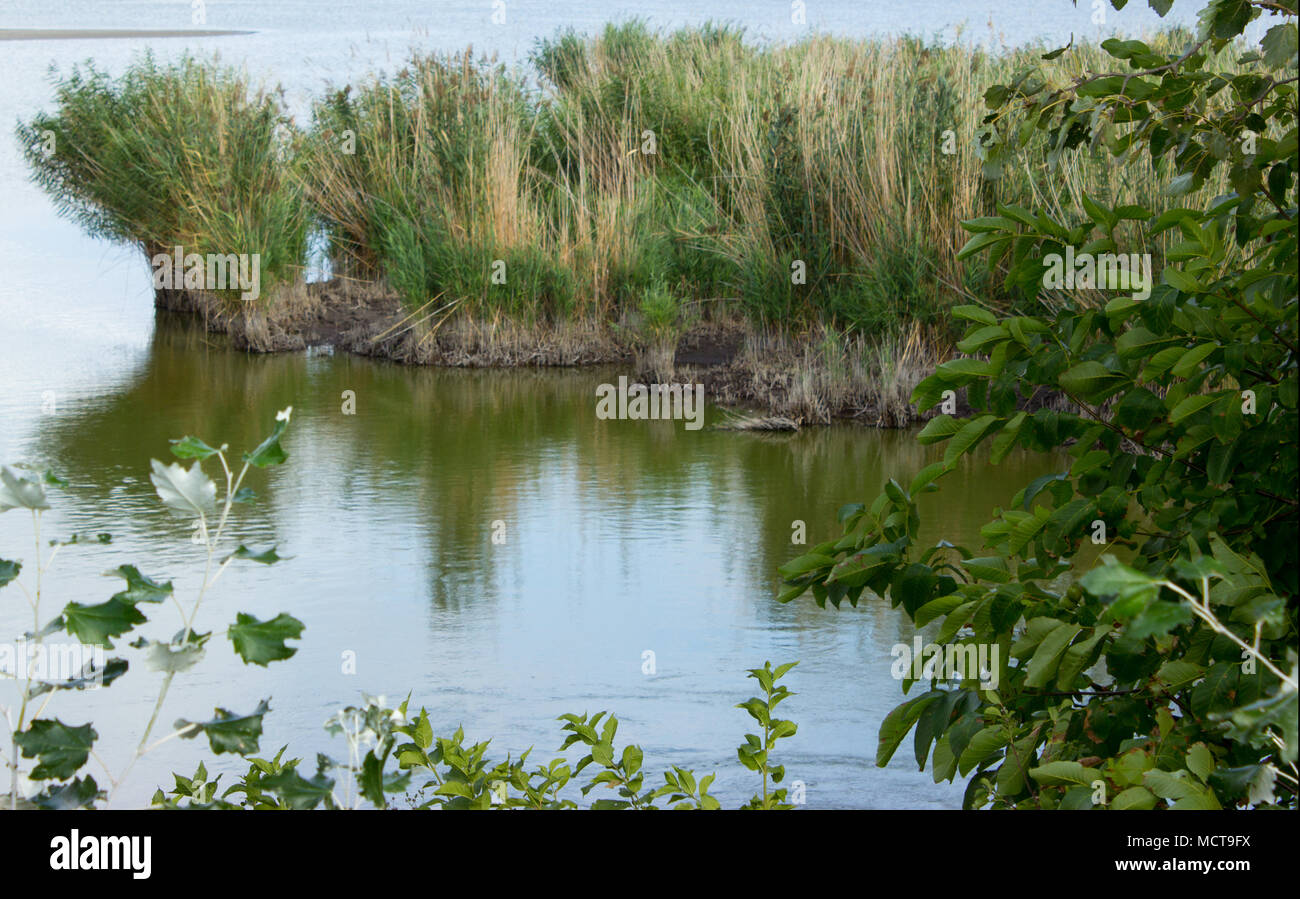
[621,537]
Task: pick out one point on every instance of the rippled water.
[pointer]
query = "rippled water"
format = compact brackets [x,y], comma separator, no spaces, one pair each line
[621,537]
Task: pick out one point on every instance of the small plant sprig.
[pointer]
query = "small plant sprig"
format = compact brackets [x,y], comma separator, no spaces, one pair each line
[623,773]
[755,752]
[462,777]
[62,751]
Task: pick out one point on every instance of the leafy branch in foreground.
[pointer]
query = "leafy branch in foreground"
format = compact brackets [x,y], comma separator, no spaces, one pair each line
[1166,675]
[61,751]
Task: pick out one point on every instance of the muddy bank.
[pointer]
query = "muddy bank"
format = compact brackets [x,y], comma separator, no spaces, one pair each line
[810,378]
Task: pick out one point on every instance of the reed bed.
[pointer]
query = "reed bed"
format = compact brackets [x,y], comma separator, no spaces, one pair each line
[630,182]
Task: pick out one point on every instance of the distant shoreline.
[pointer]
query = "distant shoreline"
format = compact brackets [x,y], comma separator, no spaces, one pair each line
[59,34]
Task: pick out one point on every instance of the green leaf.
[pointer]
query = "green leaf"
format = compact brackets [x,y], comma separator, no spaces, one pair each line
[979,314]
[269,451]
[261,642]
[1026,529]
[228,732]
[8,571]
[76,794]
[1099,214]
[897,724]
[981,746]
[423,734]
[980,242]
[1178,186]
[191,448]
[172,659]
[1113,578]
[988,568]
[1190,406]
[1215,693]
[94,625]
[1280,45]
[1279,711]
[1076,659]
[90,678]
[956,620]
[937,429]
[1055,774]
[858,569]
[804,564]
[1161,362]
[1011,774]
[1090,379]
[1190,362]
[296,791]
[1139,409]
[139,588]
[372,780]
[961,370]
[1134,798]
[937,608]
[1185,792]
[266,556]
[1053,54]
[1178,278]
[1140,341]
[913,586]
[978,339]
[1199,761]
[1043,665]
[923,478]
[62,750]
[968,437]
[1158,619]
[1005,440]
[1066,520]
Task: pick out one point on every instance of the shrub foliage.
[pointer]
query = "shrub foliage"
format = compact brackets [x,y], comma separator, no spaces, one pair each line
[1163,674]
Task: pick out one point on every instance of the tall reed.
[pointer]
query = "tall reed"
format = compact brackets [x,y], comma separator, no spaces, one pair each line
[183,154]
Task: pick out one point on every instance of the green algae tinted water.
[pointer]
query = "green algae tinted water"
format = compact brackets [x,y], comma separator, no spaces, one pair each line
[482,540]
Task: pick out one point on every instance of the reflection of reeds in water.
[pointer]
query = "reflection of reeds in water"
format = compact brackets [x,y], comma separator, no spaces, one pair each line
[451,450]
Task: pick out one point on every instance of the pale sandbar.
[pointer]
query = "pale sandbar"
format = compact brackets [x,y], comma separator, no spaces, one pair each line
[61,34]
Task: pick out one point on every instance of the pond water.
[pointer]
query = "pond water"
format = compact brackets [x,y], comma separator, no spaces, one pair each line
[621,537]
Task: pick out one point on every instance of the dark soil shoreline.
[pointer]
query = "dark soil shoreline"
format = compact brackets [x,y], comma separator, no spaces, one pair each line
[775,381]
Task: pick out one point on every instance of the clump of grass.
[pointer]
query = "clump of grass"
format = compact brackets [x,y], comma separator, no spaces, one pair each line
[184,154]
[661,323]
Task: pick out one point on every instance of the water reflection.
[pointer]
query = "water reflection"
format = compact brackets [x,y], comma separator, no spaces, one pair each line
[619,537]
